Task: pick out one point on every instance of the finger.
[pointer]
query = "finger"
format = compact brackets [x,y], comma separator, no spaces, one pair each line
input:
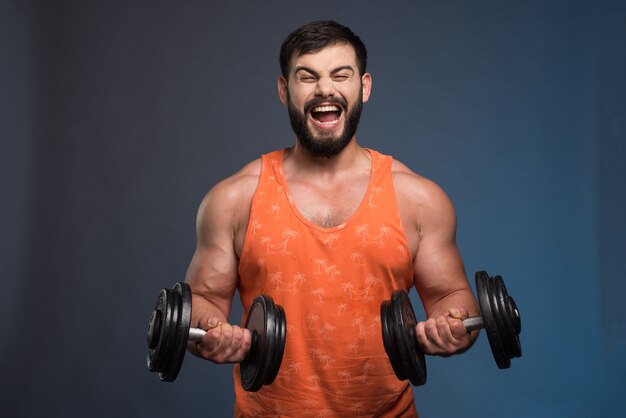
[444,332]
[433,337]
[242,340]
[212,337]
[211,340]
[226,341]
[457,328]
[247,340]
[458,313]
[236,343]
[422,339]
[237,338]
[212,323]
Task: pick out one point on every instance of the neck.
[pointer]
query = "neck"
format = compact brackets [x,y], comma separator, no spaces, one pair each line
[300,159]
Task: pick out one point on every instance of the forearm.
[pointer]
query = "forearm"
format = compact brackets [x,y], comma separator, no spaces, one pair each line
[212,275]
[204,311]
[463,299]
[213,282]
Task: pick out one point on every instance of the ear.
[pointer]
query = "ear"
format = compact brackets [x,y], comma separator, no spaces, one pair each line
[366,85]
[283,93]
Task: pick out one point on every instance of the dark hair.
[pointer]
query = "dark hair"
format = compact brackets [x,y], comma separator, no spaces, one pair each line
[314,37]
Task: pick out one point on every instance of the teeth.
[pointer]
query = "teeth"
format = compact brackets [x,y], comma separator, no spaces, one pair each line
[326,109]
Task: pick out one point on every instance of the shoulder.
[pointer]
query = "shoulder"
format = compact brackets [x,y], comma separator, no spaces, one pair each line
[421,198]
[240,183]
[230,199]
[415,186]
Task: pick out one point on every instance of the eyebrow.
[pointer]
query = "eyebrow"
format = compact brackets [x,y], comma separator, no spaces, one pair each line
[316,74]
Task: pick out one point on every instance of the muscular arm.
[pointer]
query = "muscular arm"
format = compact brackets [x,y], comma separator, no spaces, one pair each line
[212,273]
[439,275]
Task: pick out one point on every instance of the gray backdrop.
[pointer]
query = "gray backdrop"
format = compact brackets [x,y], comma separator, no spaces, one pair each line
[117,117]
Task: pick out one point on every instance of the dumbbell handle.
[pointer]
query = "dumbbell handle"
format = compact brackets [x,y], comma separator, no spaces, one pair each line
[196,334]
[473,323]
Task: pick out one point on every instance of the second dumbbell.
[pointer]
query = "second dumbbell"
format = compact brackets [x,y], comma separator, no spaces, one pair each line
[500,318]
[169,330]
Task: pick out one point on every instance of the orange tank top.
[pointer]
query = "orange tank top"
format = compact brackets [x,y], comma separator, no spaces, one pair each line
[331,282]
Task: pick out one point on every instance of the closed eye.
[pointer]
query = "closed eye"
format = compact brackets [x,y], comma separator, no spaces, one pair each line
[307,79]
[341,77]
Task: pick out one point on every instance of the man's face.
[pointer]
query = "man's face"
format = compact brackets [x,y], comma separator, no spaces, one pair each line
[324,96]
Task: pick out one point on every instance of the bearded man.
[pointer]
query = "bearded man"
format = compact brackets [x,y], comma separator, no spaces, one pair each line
[329,230]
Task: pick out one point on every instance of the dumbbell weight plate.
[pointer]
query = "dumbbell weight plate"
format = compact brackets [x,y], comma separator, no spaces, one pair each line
[281,335]
[168,330]
[501,318]
[161,329]
[488,313]
[511,321]
[267,326]
[412,355]
[182,306]
[390,341]
[398,324]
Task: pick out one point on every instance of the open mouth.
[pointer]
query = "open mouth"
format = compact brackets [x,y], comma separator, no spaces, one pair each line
[327,115]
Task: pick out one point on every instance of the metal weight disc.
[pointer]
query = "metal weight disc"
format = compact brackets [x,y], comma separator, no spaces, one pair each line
[510,319]
[281,337]
[498,314]
[271,340]
[390,340]
[182,303]
[155,325]
[488,311]
[262,326]
[161,329]
[154,331]
[411,356]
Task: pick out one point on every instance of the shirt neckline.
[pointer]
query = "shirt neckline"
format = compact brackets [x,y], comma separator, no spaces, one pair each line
[283,181]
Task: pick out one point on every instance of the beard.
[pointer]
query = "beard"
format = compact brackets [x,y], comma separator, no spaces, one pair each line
[326,144]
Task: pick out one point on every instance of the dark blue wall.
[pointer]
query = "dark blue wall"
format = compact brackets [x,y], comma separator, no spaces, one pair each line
[118,116]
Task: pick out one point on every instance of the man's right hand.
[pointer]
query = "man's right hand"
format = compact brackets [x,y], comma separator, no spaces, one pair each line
[224,343]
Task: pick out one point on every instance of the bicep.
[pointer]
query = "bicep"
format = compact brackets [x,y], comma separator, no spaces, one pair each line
[438,267]
[212,273]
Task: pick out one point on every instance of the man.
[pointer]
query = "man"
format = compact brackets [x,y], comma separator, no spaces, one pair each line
[328,229]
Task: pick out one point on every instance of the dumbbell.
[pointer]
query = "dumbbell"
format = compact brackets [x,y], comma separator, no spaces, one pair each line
[169,330]
[499,317]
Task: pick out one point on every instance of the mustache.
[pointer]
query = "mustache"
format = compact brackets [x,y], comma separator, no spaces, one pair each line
[319,100]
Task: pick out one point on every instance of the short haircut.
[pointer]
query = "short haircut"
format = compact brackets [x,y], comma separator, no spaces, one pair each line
[314,37]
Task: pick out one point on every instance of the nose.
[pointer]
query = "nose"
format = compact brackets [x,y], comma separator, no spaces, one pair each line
[325,87]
